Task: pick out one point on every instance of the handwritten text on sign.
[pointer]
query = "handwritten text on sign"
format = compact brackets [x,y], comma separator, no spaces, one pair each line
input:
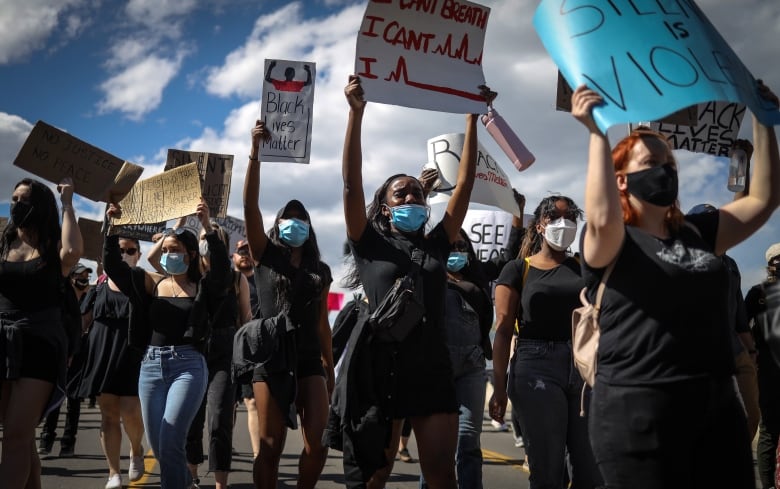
[287,108]
[53,154]
[215,171]
[714,133]
[491,185]
[423,54]
[647,59]
[165,196]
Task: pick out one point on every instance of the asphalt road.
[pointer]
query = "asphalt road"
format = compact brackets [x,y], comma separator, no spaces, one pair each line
[86,469]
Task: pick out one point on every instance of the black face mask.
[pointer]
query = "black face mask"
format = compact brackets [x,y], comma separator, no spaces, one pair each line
[81,283]
[657,185]
[22,213]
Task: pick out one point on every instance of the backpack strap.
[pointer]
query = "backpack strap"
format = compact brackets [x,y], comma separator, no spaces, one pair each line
[602,286]
[526,267]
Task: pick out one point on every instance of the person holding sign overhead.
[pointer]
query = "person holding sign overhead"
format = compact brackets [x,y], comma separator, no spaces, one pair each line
[170,319]
[36,256]
[292,282]
[413,377]
[663,391]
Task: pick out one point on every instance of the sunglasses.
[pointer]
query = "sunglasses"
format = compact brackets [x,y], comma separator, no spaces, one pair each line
[242,252]
[128,251]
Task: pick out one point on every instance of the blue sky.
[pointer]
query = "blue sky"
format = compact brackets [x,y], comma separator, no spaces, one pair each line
[137,77]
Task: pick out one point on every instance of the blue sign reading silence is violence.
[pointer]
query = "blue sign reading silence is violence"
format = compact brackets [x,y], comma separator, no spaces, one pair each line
[647,58]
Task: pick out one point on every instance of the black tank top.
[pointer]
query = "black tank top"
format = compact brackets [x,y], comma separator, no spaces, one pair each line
[29,285]
[168,316]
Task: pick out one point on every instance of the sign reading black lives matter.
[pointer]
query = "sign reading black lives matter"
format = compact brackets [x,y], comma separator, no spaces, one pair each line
[715,131]
[287,108]
[215,172]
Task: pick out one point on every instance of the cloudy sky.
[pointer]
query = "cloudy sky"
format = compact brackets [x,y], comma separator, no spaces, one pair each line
[138,77]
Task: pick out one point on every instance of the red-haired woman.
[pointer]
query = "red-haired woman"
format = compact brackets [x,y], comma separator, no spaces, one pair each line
[663,391]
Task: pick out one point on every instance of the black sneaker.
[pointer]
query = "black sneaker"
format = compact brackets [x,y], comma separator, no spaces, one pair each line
[44,447]
[66,450]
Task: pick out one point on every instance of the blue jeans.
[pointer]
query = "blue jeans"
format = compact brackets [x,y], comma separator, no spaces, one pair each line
[546,389]
[470,379]
[171,388]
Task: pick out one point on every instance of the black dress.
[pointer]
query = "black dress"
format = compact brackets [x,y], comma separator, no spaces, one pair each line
[111,366]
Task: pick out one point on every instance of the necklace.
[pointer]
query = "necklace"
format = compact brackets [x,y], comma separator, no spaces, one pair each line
[173,289]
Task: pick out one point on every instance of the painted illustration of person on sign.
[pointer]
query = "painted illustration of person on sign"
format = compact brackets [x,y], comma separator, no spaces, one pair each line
[288,84]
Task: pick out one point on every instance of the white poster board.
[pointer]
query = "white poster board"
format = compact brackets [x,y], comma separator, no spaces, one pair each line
[491,185]
[425,55]
[287,108]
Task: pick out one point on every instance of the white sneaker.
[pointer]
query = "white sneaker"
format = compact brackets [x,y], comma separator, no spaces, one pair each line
[114,482]
[519,443]
[499,426]
[136,470]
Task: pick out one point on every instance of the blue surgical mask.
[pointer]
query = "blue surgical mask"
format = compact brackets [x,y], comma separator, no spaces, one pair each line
[457,260]
[409,217]
[173,263]
[293,232]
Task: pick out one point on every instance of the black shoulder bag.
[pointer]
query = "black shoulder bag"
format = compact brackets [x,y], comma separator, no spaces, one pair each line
[401,310]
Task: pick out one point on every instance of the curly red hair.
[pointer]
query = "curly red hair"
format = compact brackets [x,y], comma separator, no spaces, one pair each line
[621,154]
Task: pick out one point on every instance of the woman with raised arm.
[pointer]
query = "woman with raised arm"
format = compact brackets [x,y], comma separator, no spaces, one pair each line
[170,319]
[663,391]
[413,378]
[291,281]
[36,255]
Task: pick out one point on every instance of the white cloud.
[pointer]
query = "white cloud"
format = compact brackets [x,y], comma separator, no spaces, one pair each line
[138,88]
[159,14]
[25,25]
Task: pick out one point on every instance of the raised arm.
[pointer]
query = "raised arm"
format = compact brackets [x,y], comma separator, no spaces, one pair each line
[117,270]
[268,73]
[741,218]
[253,219]
[71,243]
[220,275]
[352,162]
[155,252]
[459,202]
[603,213]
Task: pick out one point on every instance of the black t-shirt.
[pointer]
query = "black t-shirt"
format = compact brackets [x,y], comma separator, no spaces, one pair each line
[302,300]
[547,299]
[664,311]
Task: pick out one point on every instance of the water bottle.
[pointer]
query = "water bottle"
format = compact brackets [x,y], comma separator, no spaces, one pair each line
[737,170]
[507,140]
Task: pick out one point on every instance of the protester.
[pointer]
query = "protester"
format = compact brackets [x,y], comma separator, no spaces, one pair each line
[112,369]
[663,390]
[242,261]
[291,281]
[764,317]
[78,279]
[539,291]
[36,257]
[412,378]
[742,343]
[170,318]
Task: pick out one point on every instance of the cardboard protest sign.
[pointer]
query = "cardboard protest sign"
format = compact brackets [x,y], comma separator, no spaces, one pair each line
[141,232]
[491,186]
[287,109]
[716,128]
[425,55]
[53,154]
[169,195]
[234,226]
[646,60]
[683,117]
[215,172]
[92,237]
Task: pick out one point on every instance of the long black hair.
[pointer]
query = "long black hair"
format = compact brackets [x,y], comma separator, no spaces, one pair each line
[532,241]
[310,254]
[43,221]
[379,221]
